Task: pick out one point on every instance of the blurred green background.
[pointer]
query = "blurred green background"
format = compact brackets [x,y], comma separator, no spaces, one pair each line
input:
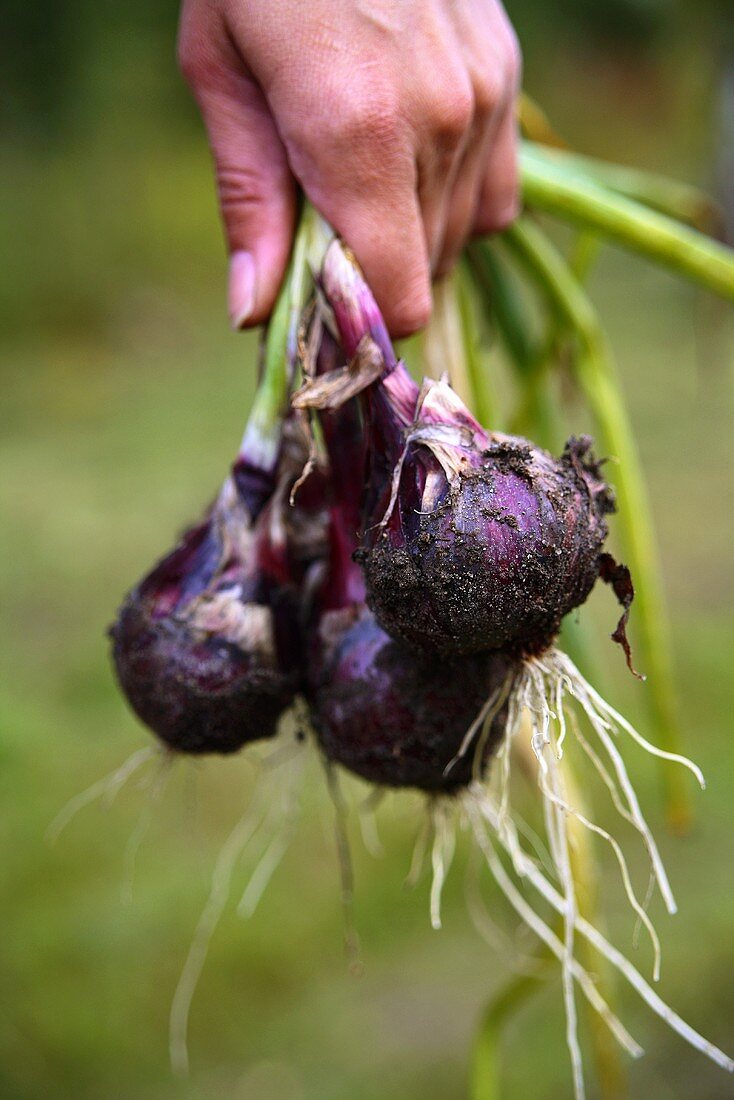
[124,394]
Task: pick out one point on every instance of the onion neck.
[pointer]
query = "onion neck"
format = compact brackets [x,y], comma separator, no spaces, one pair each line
[256,464]
[355,310]
[390,402]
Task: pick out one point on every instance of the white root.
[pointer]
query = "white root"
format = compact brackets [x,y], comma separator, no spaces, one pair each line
[108,788]
[346,873]
[483,721]
[639,908]
[606,778]
[537,706]
[367,818]
[219,892]
[255,818]
[153,796]
[525,868]
[420,848]
[544,933]
[520,959]
[570,914]
[442,854]
[645,905]
[555,821]
[285,828]
[575,678]
[540,691]
[549,765]
[492,933]
[505,758]
[541,851]
[554,664]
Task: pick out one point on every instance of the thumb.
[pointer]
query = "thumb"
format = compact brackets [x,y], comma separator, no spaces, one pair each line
[255,186]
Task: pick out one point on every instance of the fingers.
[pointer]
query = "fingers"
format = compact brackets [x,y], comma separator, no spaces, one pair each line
[463,199]
[357,166]
[442,153]
[485,195]
[483,191]
[403,160]
[478,193]
[254,183]
[499,197]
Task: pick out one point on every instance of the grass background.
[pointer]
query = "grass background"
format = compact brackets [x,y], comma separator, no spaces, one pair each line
[124,394]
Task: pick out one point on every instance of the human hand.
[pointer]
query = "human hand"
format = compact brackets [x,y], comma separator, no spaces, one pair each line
[396,117]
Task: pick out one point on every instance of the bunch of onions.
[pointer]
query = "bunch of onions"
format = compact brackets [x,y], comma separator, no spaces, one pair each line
[473,546]
[412,597]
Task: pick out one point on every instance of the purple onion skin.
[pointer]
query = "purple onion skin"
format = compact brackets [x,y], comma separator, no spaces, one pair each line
[493,560]
[192,668]
[393,716]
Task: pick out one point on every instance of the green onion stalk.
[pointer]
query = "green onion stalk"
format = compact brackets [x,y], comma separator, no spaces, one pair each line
[263,434]
[572,197]
[679,201]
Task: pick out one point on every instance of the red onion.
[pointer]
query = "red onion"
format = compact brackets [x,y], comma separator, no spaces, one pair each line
[472,540]
[207,645]
[396,717]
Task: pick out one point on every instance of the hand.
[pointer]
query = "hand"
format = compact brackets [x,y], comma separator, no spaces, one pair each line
[396,117]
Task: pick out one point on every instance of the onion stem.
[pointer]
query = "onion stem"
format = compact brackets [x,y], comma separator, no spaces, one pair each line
[485,408]
[485,1075]
[450,344]
[678,200]
[261,441]
[529,358]
[595,372]
[504,304]
[581,201]
[445,340]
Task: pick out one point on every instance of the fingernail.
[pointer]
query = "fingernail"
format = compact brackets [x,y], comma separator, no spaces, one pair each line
[241,288]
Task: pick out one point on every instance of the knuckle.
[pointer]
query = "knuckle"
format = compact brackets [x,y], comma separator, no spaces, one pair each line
[490,85]
[363,139]
[192,60]
[514,58]
[240,189]
[451,113]
[371,119]
[496,76]
[199,57]
[365,119]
